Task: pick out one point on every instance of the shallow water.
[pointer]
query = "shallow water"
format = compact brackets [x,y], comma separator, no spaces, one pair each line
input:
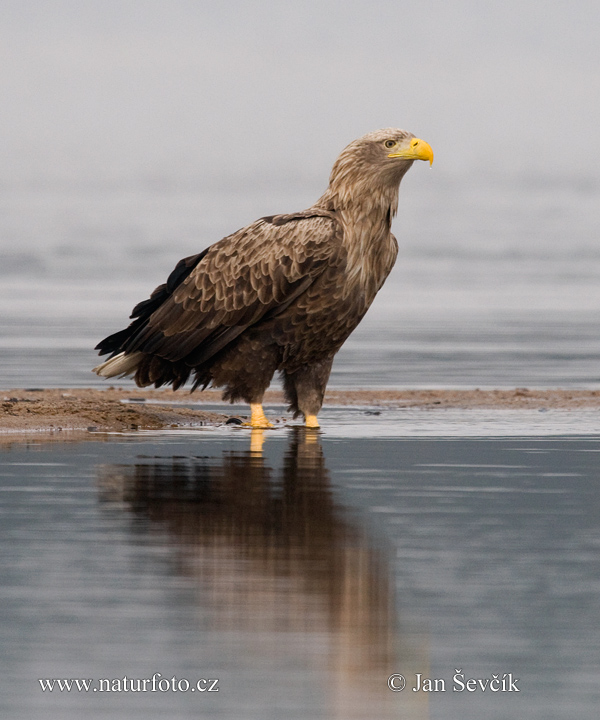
[303,574]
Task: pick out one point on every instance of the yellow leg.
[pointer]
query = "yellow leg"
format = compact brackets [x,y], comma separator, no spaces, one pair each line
[311,421]
[257,417]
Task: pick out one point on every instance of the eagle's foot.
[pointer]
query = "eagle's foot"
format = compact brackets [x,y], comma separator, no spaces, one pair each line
[310,421]
[258,425]
[258,419]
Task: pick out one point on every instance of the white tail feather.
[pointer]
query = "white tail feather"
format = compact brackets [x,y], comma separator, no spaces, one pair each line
[120,365]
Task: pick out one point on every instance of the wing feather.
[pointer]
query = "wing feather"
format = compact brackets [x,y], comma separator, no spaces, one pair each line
[253,274]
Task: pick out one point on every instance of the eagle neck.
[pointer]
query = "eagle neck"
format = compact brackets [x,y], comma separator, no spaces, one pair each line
[366,219]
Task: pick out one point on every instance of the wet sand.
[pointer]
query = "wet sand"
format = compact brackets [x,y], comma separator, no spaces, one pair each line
[121,409]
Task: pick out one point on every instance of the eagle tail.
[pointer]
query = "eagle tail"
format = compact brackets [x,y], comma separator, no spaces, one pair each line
[119,365]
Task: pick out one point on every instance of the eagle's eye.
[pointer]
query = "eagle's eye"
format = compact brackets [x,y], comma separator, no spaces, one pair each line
[390,143]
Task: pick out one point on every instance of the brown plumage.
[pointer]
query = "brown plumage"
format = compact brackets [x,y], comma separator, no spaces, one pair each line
[281,294]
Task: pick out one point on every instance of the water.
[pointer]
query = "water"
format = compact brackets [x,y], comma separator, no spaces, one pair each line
[497,281]
[302,576]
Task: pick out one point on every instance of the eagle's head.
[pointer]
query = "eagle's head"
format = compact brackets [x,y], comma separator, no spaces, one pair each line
[375,164]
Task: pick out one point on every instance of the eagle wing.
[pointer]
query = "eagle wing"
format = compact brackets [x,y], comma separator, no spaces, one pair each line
[211,298]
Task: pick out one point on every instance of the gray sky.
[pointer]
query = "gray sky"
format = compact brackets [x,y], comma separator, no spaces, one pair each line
[179,88]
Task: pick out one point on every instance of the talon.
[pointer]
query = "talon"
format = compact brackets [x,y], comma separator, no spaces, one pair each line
[259,425]
[258,419]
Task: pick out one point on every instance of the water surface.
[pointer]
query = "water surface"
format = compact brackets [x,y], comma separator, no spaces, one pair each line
[301,570]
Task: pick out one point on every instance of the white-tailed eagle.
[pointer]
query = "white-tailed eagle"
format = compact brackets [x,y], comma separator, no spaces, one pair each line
[282,294]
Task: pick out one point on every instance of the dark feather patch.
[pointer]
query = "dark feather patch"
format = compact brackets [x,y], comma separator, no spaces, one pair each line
[116,343]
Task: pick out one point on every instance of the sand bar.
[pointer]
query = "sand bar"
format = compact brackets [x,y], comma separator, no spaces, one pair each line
[123,409]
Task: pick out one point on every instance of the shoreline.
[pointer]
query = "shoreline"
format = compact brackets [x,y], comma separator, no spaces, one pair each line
[36,410]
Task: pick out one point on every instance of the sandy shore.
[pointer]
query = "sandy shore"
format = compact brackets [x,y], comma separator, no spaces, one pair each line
[119,409]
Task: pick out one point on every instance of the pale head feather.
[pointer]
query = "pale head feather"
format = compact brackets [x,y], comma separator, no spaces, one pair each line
[364,178]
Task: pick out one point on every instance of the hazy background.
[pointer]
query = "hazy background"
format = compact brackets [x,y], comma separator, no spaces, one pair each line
[135,133]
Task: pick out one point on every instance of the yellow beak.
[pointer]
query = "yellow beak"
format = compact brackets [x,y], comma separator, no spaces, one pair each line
[417,150]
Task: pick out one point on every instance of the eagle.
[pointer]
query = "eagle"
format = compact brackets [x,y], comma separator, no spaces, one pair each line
[281,294]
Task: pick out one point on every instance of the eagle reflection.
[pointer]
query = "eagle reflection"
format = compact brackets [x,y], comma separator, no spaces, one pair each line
[276,553]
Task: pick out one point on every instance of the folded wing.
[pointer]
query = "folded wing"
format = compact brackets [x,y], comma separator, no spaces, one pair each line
[211,298]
